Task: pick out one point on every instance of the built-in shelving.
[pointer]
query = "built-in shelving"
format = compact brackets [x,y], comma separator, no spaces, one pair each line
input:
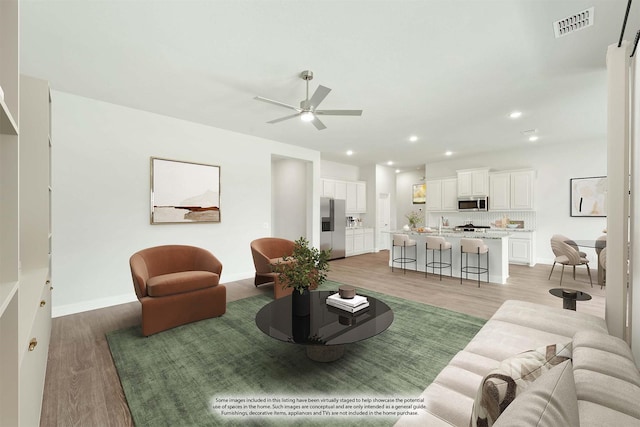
[35,245]
[10,214]
[8,125]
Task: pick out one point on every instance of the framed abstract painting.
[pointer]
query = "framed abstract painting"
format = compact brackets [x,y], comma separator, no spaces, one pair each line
[419,194]
[589,196]
[184,192]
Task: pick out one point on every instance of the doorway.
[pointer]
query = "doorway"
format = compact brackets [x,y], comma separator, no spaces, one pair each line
[384,222]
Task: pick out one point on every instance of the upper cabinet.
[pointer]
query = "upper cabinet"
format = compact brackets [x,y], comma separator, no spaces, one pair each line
[9,67]
[512,190]
[522,190]
[500,191]
[473,182]
[434,195]
[356,201]
[353,192]
[442,195]
[450,194]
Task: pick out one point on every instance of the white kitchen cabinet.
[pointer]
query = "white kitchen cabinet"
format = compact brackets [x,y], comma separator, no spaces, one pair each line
[442,195]
[340,192]
[361,197]
[368,240]
[354,193]
[358,241]
[522,190]
[434,195]
[522,248]
[473,182]
[500,191]
[511,190]
[356,201]
[450,194]
[348,245]
[328,188]
[352,197]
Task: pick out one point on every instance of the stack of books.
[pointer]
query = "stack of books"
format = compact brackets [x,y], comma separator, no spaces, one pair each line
[351,305]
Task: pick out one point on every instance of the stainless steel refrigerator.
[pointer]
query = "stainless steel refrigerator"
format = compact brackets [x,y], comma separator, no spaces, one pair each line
[333,215]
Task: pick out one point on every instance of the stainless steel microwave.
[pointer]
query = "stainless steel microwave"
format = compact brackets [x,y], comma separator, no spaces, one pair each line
[474,204]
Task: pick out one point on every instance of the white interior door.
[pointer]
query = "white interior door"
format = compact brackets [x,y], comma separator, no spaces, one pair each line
[384,222]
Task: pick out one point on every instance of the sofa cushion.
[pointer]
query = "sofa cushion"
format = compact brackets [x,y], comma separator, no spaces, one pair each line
[501,386]
[177,283]
[500,340]
[549,402]
[595,415]
[549,319]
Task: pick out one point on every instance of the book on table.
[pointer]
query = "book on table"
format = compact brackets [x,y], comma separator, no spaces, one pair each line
[351,305]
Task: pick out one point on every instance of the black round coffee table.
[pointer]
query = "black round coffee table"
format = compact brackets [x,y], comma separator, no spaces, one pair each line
[326,330]
[569,297]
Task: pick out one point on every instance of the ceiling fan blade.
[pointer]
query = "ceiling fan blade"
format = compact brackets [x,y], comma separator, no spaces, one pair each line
[339,112]
[317,123]
[320,94]
[281,104]
[281,119]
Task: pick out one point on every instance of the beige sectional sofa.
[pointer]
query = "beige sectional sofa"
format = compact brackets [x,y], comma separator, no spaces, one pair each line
[599,386]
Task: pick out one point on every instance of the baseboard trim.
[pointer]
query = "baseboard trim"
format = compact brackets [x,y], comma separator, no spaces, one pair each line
[79,307]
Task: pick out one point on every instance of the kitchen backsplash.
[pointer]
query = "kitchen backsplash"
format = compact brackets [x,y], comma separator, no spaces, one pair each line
[482,218]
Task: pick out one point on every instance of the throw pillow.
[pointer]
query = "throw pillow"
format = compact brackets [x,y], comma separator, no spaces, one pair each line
[501,386]
[550,401]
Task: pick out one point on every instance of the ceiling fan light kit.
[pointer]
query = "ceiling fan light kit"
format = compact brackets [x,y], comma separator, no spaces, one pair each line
[308,111]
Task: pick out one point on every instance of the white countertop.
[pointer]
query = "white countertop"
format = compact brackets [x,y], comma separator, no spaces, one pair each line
[459,234]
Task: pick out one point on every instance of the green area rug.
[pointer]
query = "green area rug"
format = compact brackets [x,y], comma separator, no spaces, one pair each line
[173,378]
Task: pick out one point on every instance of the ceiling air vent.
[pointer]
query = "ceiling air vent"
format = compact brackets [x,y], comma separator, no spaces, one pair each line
[573,23]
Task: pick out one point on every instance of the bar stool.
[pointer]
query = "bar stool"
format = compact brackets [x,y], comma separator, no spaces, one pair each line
[437,244]
[473,246]
[403,242]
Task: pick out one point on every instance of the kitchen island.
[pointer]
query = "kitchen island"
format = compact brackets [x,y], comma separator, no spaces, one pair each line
[497,241]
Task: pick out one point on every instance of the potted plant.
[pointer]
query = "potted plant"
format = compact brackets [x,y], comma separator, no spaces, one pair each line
[306,268]
[415,219]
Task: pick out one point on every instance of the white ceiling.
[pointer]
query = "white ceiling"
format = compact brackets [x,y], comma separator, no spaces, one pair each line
[447,71]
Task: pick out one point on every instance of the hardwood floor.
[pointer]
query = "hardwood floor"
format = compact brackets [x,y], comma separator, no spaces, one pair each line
[82,387]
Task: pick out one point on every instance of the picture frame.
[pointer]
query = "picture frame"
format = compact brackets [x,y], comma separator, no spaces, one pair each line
[419,194]
[184,192]
[588,196]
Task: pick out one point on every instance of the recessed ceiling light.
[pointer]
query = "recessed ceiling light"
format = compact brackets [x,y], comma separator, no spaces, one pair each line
[389,163]
[515,114]
[533,138]
[413,138]
[448,153]
[349,152]
[397,170]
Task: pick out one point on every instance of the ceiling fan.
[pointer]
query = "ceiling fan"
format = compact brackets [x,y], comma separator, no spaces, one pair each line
[308,111]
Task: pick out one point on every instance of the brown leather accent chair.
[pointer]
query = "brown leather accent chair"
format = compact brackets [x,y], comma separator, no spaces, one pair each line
[176,285]
[267,252]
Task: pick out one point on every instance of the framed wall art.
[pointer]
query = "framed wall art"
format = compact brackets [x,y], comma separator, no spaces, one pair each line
[419,194]
[184,192]
[589,196]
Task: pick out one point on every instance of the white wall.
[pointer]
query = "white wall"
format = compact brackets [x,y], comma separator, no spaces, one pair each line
[101,191]
[339,171]
[555,166]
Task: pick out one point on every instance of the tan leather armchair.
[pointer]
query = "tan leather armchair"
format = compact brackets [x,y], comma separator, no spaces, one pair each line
[267,252]
[177,284]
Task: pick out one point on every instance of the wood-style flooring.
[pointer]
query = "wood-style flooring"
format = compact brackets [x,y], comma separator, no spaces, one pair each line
[82,387]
